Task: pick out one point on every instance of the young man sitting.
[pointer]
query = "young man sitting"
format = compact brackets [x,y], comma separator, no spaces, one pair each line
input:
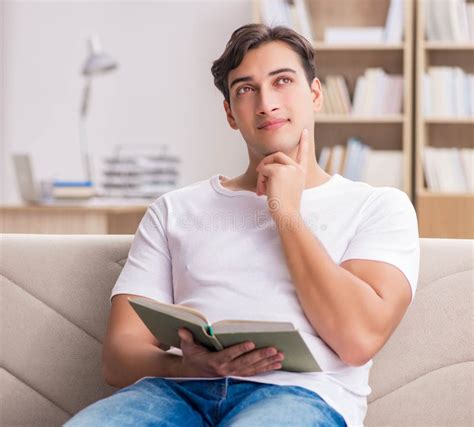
[282,241]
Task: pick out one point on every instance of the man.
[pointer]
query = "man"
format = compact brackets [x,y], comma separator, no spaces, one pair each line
[283,241]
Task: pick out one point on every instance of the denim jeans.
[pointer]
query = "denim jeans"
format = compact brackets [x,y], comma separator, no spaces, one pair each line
[219,402]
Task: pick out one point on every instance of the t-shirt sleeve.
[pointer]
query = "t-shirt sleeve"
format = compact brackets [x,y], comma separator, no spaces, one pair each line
[148,271]
[388,232]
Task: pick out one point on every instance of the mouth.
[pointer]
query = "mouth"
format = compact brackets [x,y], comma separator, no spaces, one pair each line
[273,124]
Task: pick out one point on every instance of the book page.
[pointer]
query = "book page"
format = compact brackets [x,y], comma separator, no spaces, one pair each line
[180,311]
[232,326]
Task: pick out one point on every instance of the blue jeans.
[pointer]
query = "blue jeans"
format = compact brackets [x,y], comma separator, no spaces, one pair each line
[220,402]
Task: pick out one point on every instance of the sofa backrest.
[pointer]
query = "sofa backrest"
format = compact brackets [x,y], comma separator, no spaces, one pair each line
[55,304]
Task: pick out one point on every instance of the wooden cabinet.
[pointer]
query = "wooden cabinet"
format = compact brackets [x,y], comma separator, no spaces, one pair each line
[59,219]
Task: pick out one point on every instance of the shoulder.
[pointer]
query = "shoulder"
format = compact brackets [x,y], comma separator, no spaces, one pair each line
[181,200]
[388,199]
[364,197]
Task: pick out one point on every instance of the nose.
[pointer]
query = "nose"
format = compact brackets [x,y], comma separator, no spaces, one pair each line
[267,102]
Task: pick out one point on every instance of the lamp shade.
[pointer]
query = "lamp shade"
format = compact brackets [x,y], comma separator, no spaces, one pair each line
[97,62]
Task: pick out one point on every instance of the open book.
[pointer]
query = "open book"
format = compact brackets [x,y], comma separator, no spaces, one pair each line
[164,320]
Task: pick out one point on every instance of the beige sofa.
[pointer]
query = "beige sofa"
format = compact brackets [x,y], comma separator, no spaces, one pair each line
[55,303]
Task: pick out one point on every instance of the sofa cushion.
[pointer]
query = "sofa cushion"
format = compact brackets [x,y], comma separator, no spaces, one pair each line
[55,304]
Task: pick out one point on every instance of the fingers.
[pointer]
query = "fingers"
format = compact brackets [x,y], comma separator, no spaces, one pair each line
[256,358]
[268,364]
[187,342]
[267,171]
[261,187]
[186,336]
[277,157]
[232,353]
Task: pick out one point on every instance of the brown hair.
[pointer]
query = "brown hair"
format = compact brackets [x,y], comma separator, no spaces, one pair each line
[251,36]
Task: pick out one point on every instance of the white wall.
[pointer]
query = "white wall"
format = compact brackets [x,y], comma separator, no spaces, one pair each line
[163,91]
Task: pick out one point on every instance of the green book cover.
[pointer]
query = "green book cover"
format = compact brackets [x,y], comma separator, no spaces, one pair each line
[164,320]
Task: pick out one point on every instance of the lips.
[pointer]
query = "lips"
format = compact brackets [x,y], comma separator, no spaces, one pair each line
[273,124]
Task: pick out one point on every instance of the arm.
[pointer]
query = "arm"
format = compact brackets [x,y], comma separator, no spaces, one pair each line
[354,306]
[131,352]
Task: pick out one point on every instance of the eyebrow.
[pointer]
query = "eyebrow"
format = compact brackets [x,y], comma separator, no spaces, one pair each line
[271,73]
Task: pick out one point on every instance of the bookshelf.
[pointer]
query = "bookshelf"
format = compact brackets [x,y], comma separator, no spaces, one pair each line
[440,214]
[380,132]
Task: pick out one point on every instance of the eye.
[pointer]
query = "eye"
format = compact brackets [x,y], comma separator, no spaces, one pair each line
[285,79]
[241,90]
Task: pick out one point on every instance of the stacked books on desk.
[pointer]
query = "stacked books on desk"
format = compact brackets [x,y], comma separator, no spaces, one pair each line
[75,190]
[139,173]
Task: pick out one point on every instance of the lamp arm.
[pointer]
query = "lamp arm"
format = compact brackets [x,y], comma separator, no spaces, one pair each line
[86,97]
[85,158]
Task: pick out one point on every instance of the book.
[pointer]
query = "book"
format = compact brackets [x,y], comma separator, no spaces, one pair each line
[394,24]
[73,189]
[354,35]
[384,168]
[337,162]
[467,158]
[164,321]
[449,169]
[324,157]
[448,92]
[448,21]
[302,21]
[275,12]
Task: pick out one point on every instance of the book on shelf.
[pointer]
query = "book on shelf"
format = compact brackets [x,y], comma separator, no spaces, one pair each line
[302,22]
[337,99]
[354,35]
[378,93]
[164,321]
[394,25]
[449,169]
[449,21]
[391,32]
[292,14]
[384,168]
[448,92]
[337,159]
[358,162]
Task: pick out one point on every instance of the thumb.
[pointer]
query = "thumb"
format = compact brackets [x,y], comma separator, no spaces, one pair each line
[186,337]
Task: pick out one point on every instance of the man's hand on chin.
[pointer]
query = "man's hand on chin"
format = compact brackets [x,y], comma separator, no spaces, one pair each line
[283,179]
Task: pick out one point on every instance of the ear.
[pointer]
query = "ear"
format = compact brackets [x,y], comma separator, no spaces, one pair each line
[230,117]
[317,95]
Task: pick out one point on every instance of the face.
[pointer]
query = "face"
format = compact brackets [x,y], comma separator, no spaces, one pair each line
[271,101]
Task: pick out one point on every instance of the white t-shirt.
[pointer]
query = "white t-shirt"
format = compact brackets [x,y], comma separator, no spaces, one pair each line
[219,251]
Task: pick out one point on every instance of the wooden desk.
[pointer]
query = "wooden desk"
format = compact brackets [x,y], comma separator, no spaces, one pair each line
[71,219]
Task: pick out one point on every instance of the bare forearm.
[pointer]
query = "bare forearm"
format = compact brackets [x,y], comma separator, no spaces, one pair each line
[127,359]
[341,307]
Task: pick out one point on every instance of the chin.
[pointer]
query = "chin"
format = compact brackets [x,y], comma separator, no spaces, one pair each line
[284,145]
